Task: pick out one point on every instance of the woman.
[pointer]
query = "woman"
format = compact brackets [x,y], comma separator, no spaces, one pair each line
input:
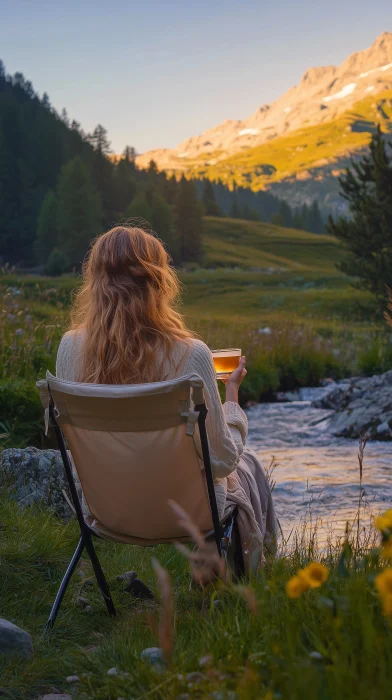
[125,330]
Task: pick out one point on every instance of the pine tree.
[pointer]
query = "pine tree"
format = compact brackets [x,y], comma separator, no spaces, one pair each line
[305,215]
[129,155]
[124,185]
[10,187]
[316,224]
[99,140]
[298,221]
[188,222]
[162,223]
[278,220]
[139,208]
[79,211]
[285,214]
[367,233]
[169,189]
[46,239]
[235,211]
[210,206]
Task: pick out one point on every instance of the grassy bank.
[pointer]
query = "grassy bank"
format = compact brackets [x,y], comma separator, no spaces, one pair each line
[331,642]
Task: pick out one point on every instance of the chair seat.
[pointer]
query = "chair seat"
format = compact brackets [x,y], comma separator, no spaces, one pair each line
[105,533]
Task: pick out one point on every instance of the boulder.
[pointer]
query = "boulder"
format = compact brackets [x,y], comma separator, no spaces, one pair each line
[362,405]
[14,640]
[33,476]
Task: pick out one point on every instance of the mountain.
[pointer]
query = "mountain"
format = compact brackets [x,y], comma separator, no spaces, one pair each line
[297,145]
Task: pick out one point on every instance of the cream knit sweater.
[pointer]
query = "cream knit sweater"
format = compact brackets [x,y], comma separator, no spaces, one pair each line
[227,424]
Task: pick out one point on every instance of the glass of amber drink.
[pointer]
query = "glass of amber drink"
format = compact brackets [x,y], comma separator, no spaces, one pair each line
[226,361]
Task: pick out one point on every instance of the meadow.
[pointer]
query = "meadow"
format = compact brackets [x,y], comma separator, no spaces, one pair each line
[274,292]
[278,295]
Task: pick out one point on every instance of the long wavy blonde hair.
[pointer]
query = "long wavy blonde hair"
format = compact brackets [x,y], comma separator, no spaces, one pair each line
[126,308]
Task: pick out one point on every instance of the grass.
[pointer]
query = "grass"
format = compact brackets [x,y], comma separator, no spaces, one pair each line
[311,147]
[333,642]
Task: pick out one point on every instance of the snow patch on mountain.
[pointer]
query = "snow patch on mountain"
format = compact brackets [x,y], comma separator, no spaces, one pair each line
[375,70]
[248,132]
[344,92]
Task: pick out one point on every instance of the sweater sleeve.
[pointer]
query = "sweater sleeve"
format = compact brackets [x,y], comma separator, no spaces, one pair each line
[227,425]
[68,357]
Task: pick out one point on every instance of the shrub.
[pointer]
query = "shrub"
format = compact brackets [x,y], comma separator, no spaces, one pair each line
[377,358]
[21,413]
[57,263]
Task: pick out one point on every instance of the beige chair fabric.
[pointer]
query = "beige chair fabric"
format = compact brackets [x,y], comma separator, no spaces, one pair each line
[133,450]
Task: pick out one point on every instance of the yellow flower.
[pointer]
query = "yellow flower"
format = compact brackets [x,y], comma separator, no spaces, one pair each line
[312,576]
[383,583]
[296,586]
[384,522]
[386,550]
[315,574]
[387,605]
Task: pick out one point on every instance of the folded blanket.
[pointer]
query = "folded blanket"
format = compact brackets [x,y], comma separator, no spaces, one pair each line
[249,490]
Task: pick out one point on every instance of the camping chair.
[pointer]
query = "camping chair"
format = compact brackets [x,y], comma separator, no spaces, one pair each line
[134,449]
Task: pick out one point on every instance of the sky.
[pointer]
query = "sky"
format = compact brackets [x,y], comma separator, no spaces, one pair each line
[156,72]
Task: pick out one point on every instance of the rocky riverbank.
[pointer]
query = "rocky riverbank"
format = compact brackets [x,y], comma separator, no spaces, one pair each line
[360,405]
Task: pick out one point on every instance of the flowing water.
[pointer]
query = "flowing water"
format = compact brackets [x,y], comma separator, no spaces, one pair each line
[316,473]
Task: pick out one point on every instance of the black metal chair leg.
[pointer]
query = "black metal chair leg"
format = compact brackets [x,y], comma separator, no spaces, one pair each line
[64,585]
[99,575]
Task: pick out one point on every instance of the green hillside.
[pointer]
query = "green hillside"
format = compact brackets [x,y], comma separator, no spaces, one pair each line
[250,245]
[313,147]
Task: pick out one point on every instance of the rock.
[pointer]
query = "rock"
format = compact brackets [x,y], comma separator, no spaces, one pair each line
[116,672]
[316,656]
[14,640]
[206,661]
[57,696]
[127,576]
[382,428]
[362,405]
[139,590]
[72,679]
[33,476]
[153,655]
[196,677]
[82,602]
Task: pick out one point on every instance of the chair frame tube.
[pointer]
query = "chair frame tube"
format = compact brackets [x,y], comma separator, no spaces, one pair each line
[221,533]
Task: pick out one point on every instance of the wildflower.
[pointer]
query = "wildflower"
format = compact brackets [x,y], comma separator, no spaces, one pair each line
[312,576]
[383,583]
[296,586]
[384,522]
[315,574]
[386,550]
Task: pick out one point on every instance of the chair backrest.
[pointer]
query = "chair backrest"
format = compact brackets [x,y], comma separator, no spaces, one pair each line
[133,450]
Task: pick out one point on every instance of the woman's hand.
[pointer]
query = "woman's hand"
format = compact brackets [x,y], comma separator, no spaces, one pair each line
[233,382]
